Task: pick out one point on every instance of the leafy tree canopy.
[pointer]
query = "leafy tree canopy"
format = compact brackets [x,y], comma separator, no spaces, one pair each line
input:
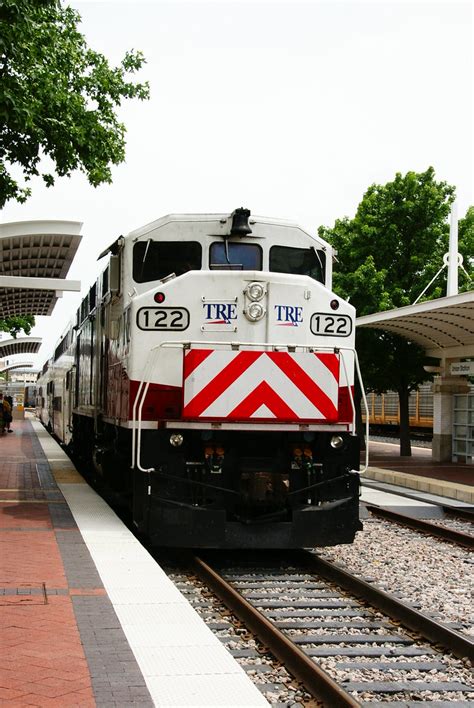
[14,325]
[57,98]
[466,249]
[395,243]
[387,254]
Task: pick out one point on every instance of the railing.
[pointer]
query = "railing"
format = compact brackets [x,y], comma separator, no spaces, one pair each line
[384,408]
[151,360]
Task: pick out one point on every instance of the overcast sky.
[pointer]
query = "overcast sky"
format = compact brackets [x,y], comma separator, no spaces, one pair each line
[291,109]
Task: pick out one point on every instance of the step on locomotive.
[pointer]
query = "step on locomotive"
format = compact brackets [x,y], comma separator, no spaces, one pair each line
[208,379]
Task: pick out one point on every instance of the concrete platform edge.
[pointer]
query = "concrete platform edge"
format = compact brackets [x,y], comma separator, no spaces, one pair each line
[183,663]
[441,487]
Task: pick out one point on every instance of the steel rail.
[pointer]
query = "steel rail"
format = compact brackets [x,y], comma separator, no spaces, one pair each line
[314,679]
[430,629]
[459,512]
[462,539]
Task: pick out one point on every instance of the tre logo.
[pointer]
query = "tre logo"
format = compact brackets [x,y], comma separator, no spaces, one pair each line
[288,315]
[220,312]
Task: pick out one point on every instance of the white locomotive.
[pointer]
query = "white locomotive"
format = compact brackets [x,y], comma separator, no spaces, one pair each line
[208,377]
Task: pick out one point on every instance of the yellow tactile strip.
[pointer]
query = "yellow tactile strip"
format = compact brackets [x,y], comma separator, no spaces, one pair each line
[67,476]
[441,487]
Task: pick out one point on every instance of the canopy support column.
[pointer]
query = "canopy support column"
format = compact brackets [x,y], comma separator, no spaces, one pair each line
[444,387]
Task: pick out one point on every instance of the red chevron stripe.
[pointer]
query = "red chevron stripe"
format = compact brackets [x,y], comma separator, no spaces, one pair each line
[193,359]
[331,361]
[262,395]
[305,384]
[220,383]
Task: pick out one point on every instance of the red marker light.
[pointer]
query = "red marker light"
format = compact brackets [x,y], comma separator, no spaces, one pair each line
[335,304]
[159,297]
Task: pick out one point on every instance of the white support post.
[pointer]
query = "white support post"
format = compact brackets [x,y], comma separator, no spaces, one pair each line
[452,288]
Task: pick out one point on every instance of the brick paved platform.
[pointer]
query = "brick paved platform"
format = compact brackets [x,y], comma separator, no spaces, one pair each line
[87,616]
[61,643]
[454,480]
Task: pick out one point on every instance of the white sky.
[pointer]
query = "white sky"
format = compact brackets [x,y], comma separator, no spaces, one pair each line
[291,109]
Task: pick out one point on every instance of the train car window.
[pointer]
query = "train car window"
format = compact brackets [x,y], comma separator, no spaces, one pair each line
[92,297]
[153,260]
[237,256]
[298,261]
[105,281]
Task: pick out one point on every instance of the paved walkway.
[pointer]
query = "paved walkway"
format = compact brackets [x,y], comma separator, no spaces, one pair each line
[60,641]
[451,479]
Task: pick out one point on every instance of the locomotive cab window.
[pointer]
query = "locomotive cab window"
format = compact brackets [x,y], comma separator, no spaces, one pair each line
[298,261]
[153,260]
[236,256]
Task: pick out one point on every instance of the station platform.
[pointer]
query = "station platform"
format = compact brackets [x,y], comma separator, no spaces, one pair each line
[88,618]
[451,480]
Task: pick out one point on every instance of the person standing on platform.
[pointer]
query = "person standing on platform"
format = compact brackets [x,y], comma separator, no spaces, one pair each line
[7,413]
[10,401]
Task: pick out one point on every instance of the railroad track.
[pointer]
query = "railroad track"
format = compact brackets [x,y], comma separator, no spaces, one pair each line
[443,532]
[325,627]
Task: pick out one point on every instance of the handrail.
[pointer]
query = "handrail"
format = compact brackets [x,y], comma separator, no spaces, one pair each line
[145,383]
[364,398]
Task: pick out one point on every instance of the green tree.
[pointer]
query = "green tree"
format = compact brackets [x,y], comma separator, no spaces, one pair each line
[466,249]
[14,325]
[58,98]
[387,254]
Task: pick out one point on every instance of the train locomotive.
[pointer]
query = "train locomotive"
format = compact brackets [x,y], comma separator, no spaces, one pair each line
[208,379]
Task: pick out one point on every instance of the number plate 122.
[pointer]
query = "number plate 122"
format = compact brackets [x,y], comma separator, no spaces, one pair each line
[331,325]
[163,318]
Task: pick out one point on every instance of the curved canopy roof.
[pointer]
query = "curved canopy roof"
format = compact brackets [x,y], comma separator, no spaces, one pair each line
[37,250]
[20,345]
[20,365]
[444,327]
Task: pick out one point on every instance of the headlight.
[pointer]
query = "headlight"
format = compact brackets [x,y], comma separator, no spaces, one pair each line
[255,291]
[255,312]
[176,439]
[337,442]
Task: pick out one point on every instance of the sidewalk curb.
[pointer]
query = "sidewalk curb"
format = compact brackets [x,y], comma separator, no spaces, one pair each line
[441,487]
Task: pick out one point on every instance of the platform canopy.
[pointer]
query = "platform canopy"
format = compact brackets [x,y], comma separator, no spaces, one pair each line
[20,345]
[444,327]
[18,368]
[35,257]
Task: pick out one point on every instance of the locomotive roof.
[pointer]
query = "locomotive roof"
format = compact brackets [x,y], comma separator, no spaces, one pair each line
[222,219]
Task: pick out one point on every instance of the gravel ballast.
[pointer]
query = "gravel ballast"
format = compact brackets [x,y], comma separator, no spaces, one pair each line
[436,576]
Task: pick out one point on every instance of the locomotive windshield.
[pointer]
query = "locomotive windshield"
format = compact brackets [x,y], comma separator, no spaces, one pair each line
[153,260]
[298,261]
[235,256]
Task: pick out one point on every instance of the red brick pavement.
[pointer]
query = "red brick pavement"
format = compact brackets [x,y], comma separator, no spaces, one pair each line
[387,456]
[42,661]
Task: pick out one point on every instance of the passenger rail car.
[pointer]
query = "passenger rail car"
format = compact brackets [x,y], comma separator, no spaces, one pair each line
[208,377]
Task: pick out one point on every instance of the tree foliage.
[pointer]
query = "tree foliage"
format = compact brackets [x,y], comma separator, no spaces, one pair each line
[395,243]
[14,325]
[466,249]
[58,98]
[387,254]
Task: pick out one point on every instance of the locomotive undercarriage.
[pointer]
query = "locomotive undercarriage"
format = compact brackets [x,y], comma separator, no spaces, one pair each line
[241,489]
[219,489]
